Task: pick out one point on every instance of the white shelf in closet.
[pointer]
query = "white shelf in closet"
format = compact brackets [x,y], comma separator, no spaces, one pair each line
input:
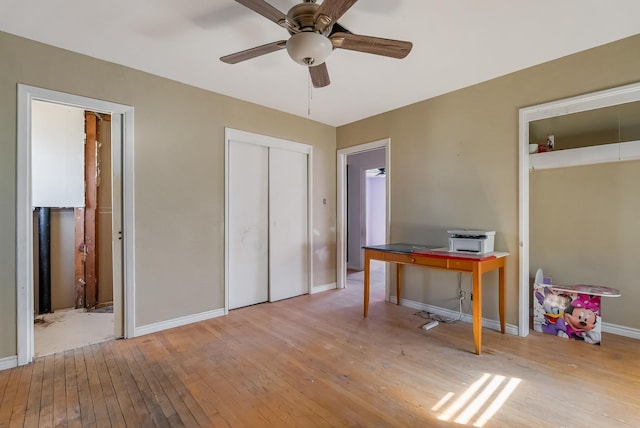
[614,152]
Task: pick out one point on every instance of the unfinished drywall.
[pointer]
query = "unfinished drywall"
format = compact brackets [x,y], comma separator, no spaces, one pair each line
[105,216]
[57,155]
[63,292]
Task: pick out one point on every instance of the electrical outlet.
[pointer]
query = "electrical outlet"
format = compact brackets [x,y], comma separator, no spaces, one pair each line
[465,295]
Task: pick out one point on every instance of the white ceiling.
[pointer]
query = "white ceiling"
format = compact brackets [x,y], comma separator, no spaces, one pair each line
[457,43]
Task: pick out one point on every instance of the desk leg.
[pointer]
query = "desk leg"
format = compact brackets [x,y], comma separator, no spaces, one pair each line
[501,297]
[367,278]
[477,307]
[399,272]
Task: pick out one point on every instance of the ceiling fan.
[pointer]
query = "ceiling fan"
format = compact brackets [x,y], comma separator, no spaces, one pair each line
[315,32]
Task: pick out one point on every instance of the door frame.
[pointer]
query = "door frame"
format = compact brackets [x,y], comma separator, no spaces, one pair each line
[122,227]
[591,101]
[341,220]
[263,140]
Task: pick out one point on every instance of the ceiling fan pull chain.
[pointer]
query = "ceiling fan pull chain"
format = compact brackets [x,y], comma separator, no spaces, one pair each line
[309,94]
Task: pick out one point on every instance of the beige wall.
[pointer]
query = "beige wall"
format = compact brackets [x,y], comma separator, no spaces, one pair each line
[454,162]
[179,177]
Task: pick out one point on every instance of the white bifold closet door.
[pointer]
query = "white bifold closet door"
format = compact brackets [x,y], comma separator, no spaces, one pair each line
[268,236]
[248,224]
[288,224]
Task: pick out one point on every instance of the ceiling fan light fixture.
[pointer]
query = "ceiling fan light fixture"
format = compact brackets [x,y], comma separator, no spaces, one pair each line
[309,48]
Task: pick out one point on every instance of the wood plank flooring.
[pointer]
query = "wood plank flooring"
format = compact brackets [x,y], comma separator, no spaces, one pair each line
[313,361]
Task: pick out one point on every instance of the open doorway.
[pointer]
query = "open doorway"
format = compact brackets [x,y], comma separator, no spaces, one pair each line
[71,198]
[366,196]
[376,203]
[119,232]
[363,209]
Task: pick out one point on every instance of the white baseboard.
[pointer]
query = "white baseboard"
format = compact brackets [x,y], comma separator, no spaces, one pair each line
[325,287]
[177,322]
[621,330]
[448,313]
[8,362]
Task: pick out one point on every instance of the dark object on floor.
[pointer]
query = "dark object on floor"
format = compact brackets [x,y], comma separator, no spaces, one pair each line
[103,310]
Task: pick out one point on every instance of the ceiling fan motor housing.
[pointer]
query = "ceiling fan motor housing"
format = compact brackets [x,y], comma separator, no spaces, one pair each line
[301,17]
[306,46]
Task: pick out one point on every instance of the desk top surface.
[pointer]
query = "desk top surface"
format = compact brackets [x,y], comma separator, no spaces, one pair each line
[400,248]
[433,251]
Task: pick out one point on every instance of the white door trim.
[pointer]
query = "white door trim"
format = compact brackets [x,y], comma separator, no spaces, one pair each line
[341,221]
[263,140]
[591,101]
[122,137]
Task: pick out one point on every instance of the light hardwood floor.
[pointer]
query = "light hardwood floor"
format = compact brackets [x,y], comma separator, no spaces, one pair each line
[313,361]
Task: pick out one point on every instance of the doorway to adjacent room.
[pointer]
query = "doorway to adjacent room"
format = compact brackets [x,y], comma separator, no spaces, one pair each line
[71,199]
[67,221]
[363,207]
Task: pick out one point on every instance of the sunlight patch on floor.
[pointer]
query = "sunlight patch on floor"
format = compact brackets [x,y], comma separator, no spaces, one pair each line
[488,394]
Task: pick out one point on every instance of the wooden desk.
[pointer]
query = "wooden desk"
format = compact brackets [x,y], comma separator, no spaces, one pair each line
[415,255]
